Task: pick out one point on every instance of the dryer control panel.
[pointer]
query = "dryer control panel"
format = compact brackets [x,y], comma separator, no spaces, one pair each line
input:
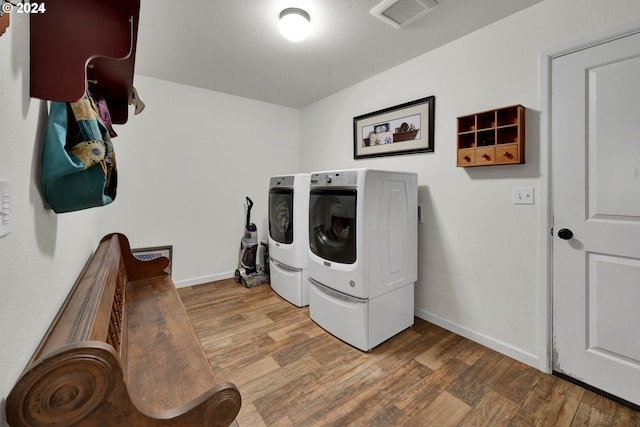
[282,181]
[336,178]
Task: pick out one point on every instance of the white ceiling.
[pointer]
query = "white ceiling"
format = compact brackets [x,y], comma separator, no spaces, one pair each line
[233,46]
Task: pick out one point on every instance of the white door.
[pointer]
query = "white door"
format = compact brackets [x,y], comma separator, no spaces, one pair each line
[595,138]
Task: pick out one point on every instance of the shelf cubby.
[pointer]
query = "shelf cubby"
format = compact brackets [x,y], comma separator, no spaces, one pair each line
[493,137]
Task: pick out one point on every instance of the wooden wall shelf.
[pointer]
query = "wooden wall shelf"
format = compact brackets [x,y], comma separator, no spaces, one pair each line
[76,43]
[493,137]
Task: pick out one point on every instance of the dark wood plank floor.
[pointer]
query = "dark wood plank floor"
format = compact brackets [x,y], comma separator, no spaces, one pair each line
[291,372]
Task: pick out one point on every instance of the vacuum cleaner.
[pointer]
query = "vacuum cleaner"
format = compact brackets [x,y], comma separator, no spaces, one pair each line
[247,272]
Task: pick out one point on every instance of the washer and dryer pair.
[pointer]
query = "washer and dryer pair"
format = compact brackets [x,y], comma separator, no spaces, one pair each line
[360,244]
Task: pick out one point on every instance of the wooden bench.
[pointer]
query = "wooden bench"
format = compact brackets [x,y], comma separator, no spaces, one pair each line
[121,352]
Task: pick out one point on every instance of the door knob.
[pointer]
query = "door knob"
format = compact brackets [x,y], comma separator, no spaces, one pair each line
[565,233]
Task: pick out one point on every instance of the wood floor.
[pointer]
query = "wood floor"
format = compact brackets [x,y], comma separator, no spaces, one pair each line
[291,372]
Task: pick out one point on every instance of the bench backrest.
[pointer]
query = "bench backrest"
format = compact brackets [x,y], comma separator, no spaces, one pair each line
[93,311]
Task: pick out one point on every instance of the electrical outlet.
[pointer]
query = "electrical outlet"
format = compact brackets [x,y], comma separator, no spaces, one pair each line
[523,196]
[5,208]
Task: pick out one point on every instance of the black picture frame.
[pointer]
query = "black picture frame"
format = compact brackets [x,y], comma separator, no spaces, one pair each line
[410,129]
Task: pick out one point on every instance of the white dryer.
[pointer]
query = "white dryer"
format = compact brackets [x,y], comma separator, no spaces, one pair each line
[288,237]
[363,253]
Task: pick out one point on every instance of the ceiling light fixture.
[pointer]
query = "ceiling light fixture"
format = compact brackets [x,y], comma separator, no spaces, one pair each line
[295,24]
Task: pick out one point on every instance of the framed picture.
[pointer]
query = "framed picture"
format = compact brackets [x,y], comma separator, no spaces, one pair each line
[146,254]
[403,129]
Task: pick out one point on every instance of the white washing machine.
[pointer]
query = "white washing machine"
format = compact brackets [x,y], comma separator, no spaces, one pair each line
[288,237]
[363,253]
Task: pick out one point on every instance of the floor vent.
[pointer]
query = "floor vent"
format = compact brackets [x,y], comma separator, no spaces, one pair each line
[400,13]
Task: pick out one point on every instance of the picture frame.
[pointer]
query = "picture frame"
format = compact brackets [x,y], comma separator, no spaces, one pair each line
[402,129]
[147,254]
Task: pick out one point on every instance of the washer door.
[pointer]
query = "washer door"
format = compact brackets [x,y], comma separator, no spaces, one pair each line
[281,215]
[332,224]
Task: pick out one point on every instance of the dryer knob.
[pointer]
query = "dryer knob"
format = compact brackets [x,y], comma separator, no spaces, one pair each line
[328,179]
[352,283]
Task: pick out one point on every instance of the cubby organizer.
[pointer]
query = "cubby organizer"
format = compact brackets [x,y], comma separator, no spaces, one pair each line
[75,43]
[493,137]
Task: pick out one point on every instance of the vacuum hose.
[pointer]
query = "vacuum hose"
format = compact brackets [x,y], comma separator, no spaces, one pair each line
[249,206]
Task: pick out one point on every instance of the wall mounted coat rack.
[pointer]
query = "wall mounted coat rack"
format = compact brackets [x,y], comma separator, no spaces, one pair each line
[85,44]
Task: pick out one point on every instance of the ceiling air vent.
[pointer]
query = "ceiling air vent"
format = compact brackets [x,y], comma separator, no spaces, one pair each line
[400,13]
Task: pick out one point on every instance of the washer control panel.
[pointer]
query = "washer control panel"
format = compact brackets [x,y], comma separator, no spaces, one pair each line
[335,178]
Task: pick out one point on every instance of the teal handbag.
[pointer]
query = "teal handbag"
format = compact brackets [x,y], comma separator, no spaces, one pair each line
[78,167]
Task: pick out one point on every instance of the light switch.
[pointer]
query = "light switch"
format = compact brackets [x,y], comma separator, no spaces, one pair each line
[523,196]
[5,208]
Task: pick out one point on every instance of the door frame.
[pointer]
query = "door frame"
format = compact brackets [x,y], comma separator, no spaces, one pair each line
[545,303]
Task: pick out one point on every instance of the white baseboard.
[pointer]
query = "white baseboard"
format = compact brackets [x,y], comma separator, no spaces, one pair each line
[499,346]
[203,279]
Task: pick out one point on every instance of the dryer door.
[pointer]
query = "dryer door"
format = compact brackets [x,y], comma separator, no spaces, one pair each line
[281,215]
[332,224]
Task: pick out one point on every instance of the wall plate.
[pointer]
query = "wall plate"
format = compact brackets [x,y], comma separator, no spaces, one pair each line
[5,208]
[523,196]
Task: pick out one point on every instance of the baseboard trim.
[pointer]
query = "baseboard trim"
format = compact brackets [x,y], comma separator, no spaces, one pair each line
[492,343]
[203,279]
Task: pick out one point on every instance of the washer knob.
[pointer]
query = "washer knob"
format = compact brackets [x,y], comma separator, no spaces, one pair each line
[328,179]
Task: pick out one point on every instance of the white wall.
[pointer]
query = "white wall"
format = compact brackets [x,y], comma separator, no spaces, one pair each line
[185,165]
[478,253]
